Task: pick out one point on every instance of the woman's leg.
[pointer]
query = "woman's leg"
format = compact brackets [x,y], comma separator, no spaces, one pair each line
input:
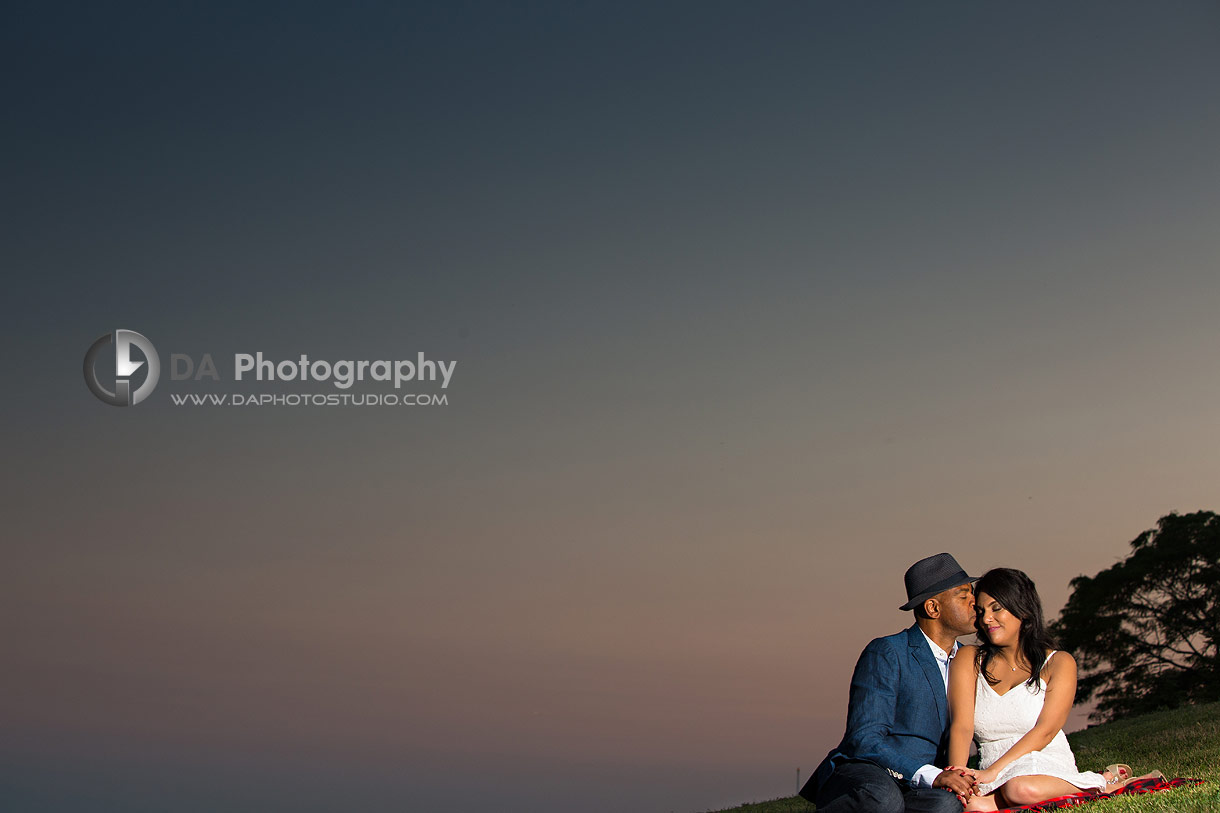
[1026,790]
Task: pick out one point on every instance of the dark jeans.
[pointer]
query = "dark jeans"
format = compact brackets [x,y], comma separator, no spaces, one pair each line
[862,787]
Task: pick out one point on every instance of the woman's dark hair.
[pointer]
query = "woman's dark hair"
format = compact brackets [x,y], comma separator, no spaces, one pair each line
[1016,593]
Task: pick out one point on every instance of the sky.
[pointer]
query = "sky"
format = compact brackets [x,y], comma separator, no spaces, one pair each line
[753,305]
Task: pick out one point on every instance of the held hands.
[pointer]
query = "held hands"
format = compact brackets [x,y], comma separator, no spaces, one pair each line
[960,781]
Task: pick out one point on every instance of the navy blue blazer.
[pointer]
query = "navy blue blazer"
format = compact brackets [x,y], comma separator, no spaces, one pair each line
[897,712]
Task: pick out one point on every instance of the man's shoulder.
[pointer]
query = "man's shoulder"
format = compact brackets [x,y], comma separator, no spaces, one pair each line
[891,642]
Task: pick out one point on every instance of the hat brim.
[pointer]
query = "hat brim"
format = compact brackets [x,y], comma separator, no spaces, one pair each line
[939,587]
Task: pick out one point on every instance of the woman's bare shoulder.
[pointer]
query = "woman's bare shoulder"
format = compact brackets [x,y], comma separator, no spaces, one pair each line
[1062,657]
[964,659]
[1060,663]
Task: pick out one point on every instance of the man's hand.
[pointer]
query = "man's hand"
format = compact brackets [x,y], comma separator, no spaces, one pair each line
[958,780]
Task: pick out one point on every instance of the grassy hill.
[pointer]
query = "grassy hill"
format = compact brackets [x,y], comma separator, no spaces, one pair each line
[1183,742]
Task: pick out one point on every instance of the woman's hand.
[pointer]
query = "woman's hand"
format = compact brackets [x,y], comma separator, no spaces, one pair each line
[986,776]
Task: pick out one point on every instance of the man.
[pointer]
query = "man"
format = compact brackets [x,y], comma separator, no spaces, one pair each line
[897,712]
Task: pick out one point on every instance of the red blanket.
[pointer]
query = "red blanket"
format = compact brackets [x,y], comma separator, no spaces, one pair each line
[1134,786]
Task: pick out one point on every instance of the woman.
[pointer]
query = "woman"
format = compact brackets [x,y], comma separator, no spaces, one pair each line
[1012,695]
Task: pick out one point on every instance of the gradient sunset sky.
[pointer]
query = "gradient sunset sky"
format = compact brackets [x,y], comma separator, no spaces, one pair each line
[753,305]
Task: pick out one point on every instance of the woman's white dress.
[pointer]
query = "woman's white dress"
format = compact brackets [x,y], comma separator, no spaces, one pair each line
[1001,720]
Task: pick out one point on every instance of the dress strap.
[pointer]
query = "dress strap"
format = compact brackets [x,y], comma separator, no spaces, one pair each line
[1048,658]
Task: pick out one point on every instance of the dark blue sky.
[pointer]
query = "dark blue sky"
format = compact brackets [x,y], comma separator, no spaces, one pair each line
[752,304]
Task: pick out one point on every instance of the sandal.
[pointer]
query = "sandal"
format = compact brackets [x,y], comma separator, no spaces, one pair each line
[1119,772]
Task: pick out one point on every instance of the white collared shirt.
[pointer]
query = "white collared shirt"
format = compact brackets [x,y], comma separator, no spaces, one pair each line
[942,657]
[924,777]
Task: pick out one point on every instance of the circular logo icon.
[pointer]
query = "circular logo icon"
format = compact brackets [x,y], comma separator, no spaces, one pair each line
[124,368]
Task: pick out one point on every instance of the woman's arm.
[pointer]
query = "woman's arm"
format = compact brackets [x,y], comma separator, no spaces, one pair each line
[1060,676]
[962,677]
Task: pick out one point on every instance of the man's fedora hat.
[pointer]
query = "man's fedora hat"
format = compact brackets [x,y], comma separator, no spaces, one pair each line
[933,575]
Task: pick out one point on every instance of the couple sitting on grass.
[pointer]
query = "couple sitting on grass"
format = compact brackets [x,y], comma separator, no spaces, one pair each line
[918,699]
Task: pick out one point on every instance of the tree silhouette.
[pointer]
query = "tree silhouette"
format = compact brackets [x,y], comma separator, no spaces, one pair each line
[1145,631]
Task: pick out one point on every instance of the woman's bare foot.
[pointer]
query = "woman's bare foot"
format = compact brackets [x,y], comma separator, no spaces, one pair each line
[983,804]
[1114,783]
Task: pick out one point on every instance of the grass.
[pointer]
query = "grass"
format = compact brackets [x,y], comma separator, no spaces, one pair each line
[1182,742]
